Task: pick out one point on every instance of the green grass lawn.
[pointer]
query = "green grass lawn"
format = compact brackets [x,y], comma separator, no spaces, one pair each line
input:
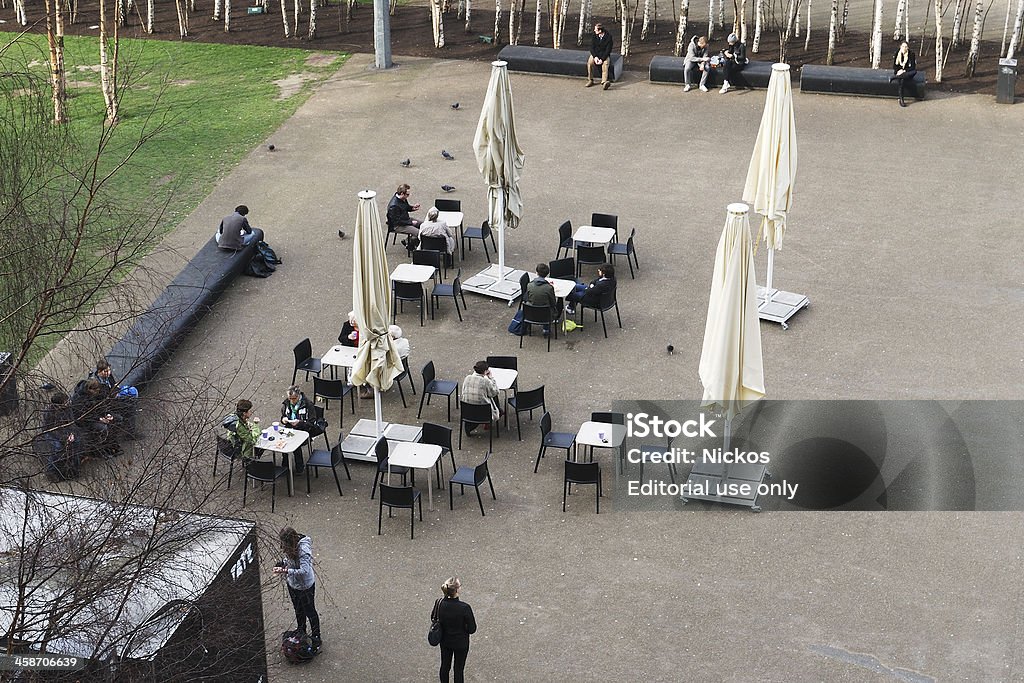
[216,102]
[203,108]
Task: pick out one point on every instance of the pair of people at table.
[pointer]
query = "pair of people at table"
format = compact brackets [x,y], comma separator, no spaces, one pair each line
[349,336]
[400,220]
[540,292]
[296,412]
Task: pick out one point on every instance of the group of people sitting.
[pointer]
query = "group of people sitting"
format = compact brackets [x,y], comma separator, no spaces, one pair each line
[540,291]
[698,63]
[400,220]
[90,423]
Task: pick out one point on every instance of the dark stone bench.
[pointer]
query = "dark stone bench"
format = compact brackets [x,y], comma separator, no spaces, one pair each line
[546,60]
[140,353]
[852,80]
[670,70]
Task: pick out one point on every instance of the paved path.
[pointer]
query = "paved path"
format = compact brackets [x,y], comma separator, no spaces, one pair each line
[904,234]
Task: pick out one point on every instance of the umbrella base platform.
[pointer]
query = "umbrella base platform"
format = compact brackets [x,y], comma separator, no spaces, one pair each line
[487,283]
[778,307]
[726,484]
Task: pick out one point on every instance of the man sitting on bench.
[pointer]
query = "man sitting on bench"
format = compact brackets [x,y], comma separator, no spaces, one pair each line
[235,232]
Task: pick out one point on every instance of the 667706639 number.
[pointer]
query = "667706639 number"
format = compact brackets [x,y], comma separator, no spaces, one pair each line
[40,662]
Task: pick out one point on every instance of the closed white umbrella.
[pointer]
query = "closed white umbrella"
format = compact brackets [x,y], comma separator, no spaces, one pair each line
[377,362]
[499,158]
[772,171]
[731,368]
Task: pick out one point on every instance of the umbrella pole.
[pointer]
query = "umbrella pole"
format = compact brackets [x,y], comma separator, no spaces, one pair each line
[377,413]
[771,272]
[501,235]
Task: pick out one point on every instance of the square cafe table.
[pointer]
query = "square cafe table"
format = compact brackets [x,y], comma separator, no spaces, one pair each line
[589,435]
[562,287]
[419,456]
[407,272]
[286,441]
[504,378]
[340,356]
[361,441]
[453,219]
[588,233]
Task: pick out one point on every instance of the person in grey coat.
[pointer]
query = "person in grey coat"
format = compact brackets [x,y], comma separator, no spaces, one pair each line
[696,61]
[297,570]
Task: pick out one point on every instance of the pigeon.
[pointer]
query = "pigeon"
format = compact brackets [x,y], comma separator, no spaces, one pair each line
[407,163]
[341,234]
[448,188]
[446,155]
[671,349]
[455,105]
[271,148]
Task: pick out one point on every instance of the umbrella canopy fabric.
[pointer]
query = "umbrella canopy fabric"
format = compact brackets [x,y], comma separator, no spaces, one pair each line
[772,171]
[731,369]
[377,363]
[498,155]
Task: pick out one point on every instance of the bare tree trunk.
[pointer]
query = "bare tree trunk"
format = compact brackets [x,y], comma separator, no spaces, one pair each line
[284,18]
[586,8]
[958,15]
[833,27]
[1015,36]
[846,13]
[227,17]
[645,26]
[515,20]
[1006,29]
[938,40]
[711,19]
[721,14]
[298,12]
[807,43]
[758,7]
[182,10]
[150,11]
[108,72]
[312,19]
[536,22]
[792,17]
[897,30]
[58,78]
[972,55]
[876,36]
[627,27]
[22,18]
[216,9]
[469,8]
[684,13]
[559,13]
[743,21]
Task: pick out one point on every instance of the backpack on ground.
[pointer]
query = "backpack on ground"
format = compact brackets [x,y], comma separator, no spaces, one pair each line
[517,327]
[268,253]
[259,267]
[297,647]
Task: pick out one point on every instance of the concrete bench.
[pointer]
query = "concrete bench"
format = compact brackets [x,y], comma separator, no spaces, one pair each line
[851,80]
[140,353]
[546,60]
[670,70]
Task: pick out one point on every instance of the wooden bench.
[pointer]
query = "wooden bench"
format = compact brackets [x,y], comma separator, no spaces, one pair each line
[665,69]
[140,353]
[851,80]
[546,60]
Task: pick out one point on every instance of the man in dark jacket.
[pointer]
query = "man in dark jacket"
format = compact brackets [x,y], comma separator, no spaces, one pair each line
[600,55]
[590,295]
[540,292]
[735,60]
[234,231]
[398,217]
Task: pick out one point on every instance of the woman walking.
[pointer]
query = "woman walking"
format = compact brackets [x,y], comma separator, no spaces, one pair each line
[297,568]
[457,623]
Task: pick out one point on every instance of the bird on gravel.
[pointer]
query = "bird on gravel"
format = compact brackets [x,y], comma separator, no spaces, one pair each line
[671,349]
[455,105]
[341,234]
[448,188]
[446,155]
[407,163]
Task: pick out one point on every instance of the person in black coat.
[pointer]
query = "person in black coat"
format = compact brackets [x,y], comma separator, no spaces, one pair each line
[904,68]
[58,439]
[601,44]
[91,410]
[590,295]
[735,55]
[398,217]
[457,624]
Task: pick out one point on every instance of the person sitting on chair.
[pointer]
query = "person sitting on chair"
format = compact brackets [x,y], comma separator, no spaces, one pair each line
[235,232]
[432,227]
[540,292]
[398,217]
[480,388]
[590,295]
[401,343]
[349,331]
[296,411]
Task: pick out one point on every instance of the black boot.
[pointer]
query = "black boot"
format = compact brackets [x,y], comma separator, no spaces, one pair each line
[902,103]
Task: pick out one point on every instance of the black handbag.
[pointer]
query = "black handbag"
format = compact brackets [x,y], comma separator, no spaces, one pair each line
[435,633]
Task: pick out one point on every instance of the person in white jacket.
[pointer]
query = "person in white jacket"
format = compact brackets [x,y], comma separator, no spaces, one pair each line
[297,570]
[696,62]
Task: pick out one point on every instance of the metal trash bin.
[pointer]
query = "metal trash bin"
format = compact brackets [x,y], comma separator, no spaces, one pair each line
[9,393]
[1006,85]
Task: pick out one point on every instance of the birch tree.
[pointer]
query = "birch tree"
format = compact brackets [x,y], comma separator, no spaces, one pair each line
[758,7]
[876,36]
[469,9]
[938,41]
[216,9]
[711,19]
[516,10]
[846,14]
[627,25]
[58,77]
[645,26]
[227,16]
[284,17]
[1006,29]
[150,11]
[536,22]
[833,27]
[437,23]
[586,7]
[684,13]
[558,16]
[743,21]
[312,18]
[182,10]
[972,55]
[22,19]
[1018,22]
[897,30]
[807,42]
[108,67]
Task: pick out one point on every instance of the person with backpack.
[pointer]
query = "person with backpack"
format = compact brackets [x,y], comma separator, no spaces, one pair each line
[457,624]
[234,231]
[297,570]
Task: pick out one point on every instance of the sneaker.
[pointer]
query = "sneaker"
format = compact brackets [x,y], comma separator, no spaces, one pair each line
[316,643]
[725,88]
[570,310]
[606,85]
[703,88]
[590,84]
[687,87]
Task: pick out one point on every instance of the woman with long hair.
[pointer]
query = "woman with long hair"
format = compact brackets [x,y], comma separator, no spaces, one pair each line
[297,570]
[904,68]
